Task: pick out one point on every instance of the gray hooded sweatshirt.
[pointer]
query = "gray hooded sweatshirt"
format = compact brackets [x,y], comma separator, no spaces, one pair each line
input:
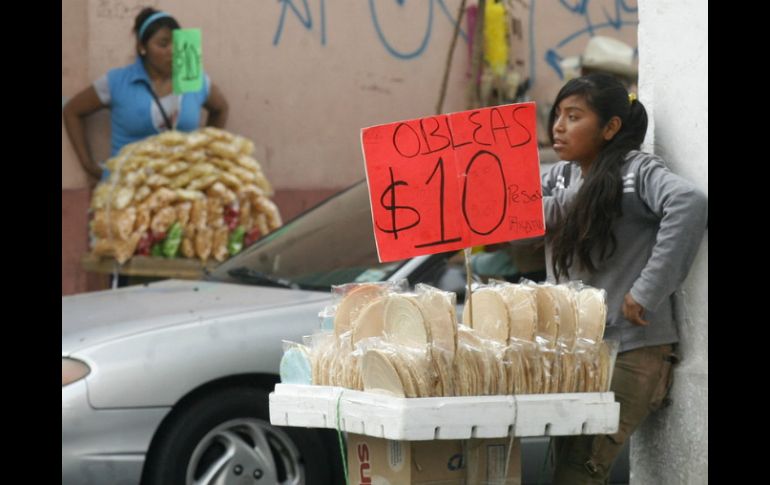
[664,219]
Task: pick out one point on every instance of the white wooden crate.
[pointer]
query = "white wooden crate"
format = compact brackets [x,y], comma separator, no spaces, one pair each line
[431,418]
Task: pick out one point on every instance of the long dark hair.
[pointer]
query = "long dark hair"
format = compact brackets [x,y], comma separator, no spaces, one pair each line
[587,225]
[158,24]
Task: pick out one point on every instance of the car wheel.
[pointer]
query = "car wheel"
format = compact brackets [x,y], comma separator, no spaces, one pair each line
[227,438]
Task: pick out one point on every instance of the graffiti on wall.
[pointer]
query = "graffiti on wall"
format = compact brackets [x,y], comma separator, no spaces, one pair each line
[122,9]
[301,11]
[592,17]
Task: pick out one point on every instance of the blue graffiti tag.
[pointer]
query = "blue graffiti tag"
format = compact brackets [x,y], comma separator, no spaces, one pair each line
[614,21]
[392,50]
[426,38]
[305,17]
[579,7]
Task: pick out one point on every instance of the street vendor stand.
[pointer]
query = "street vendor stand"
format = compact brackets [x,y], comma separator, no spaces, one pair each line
[145,267]
[452,439]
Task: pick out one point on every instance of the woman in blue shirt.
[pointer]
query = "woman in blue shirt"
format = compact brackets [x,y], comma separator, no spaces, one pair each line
[140,96]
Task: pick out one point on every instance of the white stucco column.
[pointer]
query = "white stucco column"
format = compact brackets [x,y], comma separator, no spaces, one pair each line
[672,445]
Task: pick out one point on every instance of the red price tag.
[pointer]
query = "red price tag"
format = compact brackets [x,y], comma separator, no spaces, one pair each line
[447,182]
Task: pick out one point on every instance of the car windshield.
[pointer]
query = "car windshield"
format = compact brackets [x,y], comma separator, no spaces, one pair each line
[330,244]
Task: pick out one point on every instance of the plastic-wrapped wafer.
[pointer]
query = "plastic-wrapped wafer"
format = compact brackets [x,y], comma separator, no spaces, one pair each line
[521,302]
[351,299]
[404,323]
[369,321]
[550,371]
[379,375]
[321,349]
[565,298]
[295,366]
[547,315]
[438,309]
[490,315]
[592,313]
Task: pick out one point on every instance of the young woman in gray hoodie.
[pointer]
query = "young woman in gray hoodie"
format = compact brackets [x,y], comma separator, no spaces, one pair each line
[620,220]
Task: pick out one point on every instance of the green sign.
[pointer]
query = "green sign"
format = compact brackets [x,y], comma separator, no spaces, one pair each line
[187,70]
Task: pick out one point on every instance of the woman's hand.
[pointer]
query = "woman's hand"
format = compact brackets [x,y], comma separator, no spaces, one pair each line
[633,311]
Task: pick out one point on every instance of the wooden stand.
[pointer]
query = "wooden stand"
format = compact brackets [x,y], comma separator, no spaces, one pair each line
[148,267]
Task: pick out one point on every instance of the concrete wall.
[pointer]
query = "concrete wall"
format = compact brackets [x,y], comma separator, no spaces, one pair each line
[672,446]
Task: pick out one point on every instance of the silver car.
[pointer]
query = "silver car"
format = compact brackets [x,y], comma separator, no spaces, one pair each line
[168,383]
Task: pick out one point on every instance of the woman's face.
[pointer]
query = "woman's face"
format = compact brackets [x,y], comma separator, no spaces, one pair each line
[159,48]
[577,132]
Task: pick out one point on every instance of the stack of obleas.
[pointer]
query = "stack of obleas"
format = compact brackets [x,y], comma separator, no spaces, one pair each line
[524,339]
[195,195]
[387,341]
[552,335]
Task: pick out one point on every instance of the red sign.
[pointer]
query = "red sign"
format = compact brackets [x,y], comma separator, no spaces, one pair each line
[452,181]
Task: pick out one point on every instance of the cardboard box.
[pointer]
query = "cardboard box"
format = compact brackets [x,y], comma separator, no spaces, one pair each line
[377,461]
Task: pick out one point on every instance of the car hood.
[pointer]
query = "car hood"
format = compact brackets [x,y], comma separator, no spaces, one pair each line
[93,318]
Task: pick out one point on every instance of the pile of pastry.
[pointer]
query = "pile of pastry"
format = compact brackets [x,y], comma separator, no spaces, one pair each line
[195,195]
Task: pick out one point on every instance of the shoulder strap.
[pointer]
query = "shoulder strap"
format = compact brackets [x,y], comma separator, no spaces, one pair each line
[160,106]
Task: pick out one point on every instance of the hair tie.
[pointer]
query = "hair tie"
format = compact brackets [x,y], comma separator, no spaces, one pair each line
[631,98]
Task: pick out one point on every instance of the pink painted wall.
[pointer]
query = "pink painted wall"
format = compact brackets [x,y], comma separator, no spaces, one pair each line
[303,93]
[302,84]
[74,76]
[300,97]
[74,236]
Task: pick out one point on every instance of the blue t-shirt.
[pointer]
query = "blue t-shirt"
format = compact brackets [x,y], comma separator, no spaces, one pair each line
[134,113]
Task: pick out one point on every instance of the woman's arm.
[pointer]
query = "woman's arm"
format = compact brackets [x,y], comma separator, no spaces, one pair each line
[83,104]
[216,105]
[556,198]
[683,212]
